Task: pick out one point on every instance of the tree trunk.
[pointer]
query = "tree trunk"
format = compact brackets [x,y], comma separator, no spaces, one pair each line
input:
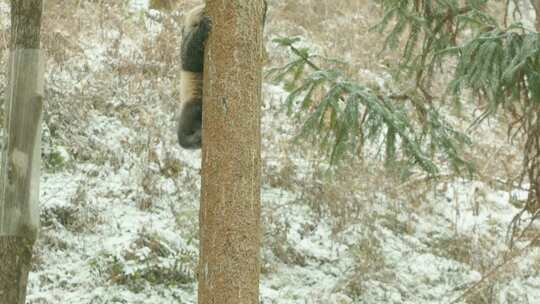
[534,171]
[536,5]
[161,5]
[19,216]
[231,155]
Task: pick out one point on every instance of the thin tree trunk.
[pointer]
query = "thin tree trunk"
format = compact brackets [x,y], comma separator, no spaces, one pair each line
[231,155]
[15,256]
[19,188]
[536,5]
[534,172]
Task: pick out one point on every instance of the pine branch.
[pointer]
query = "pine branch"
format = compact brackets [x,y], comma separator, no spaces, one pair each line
[497,63]
[350,113]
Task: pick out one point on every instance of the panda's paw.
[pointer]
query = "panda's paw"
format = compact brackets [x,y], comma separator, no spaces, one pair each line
[206,25]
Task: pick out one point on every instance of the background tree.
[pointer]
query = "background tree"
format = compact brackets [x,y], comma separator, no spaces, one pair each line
[21,154]
[349,114]
[536,5]
[497,60]
[164,5]
[231,155]
[497,54]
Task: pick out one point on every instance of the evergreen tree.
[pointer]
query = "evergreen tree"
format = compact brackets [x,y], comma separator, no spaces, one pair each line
[497,60]
[408,127]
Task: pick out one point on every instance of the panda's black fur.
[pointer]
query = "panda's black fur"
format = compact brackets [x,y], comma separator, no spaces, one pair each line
[194,33]
[189,120]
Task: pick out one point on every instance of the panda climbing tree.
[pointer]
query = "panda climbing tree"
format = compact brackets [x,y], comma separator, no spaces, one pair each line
[194,33]
[222,55]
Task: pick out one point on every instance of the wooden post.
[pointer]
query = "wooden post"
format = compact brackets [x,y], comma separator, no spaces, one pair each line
[19,187]
[231,155]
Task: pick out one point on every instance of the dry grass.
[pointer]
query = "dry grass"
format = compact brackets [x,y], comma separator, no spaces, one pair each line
[341,29]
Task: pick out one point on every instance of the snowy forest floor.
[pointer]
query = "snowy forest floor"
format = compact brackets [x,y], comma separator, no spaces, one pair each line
[119,199]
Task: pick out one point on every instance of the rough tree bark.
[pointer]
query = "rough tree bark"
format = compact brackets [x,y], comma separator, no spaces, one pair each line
[21,151]
[231,155]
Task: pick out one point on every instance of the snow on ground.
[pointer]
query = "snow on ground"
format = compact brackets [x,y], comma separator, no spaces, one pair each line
[119,204]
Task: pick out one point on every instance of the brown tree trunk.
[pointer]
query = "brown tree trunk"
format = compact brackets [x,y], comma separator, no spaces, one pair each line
[19,188]
[231,155]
